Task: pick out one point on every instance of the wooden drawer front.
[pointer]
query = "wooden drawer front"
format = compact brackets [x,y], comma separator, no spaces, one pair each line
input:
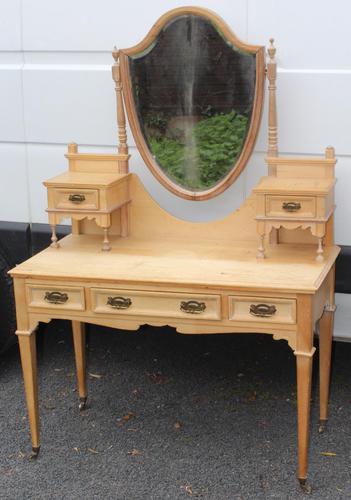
[65,298]
[262,309]
[157,304]
[81,199]
[294,207]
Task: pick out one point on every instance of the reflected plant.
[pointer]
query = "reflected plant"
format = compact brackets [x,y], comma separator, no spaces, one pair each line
[219,140]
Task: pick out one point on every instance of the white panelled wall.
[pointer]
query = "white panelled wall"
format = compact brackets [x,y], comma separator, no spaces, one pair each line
[56,87]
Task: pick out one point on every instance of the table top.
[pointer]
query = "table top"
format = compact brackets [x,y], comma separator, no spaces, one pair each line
[301,185]
[201,263]
[84,179]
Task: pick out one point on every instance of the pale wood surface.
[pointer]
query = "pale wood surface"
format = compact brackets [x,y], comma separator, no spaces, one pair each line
[198,263]
[85,180]
[292,185]
[78,331]
[28,353]
[158,261]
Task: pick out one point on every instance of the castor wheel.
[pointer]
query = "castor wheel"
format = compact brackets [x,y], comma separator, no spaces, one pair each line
[305,487]
[322,426]
[82,403]
[35,452]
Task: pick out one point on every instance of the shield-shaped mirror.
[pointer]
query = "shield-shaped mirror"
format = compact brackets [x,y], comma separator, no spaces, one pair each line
[194,95]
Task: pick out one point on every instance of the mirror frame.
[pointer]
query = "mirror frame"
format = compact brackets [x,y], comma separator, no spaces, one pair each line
[141,144]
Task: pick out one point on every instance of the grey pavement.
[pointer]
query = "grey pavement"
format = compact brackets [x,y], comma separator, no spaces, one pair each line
[171,416]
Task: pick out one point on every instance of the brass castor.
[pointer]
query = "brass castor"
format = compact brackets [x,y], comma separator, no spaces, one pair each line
[82,403]
[306,488]
[322,426]
[35,452]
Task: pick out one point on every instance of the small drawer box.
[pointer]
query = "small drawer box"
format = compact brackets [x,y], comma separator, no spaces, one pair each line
[47,297]
[262,309]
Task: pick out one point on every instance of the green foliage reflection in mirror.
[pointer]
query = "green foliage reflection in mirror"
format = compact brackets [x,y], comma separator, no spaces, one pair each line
[194,95]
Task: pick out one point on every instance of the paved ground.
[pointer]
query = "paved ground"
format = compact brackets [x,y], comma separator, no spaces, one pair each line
[170,417]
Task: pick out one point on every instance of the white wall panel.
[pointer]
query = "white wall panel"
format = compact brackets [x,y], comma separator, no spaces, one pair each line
[314,112]
[342,320]
[10,25]
[343,201]
[11,104]
[65,103]
[68,92]
[14,204]
[309,34]
[44,161]
[88,25]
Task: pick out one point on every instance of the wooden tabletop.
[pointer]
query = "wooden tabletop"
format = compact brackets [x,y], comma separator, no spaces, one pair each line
[288,267]
[281,185]
[84,180]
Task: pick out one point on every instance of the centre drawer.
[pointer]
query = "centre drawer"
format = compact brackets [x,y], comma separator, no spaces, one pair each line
[262,309]
[82,199]
[156,304]
[290,206]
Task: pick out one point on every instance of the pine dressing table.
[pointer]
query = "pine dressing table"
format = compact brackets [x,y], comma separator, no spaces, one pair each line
[194,117]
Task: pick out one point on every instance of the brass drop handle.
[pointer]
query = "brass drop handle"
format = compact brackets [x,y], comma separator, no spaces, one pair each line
[262,310]
[119,302]
[76,198]
[291,206]
[192,306]
[56,297]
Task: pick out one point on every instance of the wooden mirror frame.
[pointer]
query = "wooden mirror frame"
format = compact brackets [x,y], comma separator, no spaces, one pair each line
[122,59]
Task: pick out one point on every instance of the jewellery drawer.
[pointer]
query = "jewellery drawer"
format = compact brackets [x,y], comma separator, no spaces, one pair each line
[67,298]
[82,199]
[290,206]
[160,304]
[262,309]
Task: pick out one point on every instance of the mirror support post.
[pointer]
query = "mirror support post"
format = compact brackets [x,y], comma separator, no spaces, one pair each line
[121,117]
[272,112]
[272,120]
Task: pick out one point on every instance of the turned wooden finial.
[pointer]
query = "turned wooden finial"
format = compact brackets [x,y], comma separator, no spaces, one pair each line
[330,152]
[72,148]
[271,50]
[115,53]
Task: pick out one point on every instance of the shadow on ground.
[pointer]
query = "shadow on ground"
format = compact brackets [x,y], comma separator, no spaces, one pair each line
[170,417]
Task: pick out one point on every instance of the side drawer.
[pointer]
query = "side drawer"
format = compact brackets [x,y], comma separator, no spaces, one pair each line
[65,298]
[68,199]
[157,304]
[262,309]
[290,206]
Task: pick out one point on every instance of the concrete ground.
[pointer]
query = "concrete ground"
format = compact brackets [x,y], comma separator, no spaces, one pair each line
[171,416]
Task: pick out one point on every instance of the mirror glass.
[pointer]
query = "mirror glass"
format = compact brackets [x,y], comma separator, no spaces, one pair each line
[194,94]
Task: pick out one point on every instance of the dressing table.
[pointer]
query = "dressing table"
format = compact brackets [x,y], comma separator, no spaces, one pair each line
[193,93]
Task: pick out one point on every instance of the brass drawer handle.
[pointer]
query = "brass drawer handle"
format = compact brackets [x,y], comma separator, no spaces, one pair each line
[291,206]
[262,310]
[76,198]
[119,302]
[192,307]
[56,297]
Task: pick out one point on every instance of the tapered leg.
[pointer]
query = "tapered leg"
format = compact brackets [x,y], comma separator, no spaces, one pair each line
[28,353]
[325,348]
[78,329]
[304,378]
